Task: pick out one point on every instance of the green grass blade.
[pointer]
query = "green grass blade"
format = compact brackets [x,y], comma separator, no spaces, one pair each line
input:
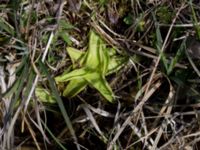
[29,83]
[4,25]
[16,94]
[12,89]
[52,135]
[158,46]
[59,101]
[159,42]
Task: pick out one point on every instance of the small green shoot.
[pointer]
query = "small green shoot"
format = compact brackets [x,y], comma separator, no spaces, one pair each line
[64,27]
[128,19]
[159,42]
[177,57]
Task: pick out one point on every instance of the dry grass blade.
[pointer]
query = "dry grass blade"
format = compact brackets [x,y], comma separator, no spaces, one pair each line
[137,108]
[38,124]
[90,116]
[37,76]
[168,112]
[142,139]
[98,111]
[107,37]
[32,134]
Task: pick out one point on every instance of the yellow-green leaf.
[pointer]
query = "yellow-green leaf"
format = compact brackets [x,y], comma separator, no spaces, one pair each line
[115,64]
[74,87]
[75,74]
[92,58]
[97,81]
[44,96]
[103,58]
[76,56]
